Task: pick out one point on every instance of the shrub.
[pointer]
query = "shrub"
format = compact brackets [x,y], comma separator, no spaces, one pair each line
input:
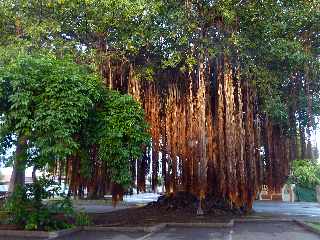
[82,219]
[305,173]
[26,208]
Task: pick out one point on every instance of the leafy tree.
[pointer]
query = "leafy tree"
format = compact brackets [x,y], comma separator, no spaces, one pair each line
[305,173]
[122,131]
[43,102]
[113,137]
[52,108]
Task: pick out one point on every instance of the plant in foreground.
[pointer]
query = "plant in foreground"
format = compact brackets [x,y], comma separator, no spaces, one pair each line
[26,207]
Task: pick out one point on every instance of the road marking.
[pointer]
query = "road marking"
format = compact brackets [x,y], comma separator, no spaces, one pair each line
[229,237]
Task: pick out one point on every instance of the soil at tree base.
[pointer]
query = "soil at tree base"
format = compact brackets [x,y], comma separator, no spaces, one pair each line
[189,202]
[179,207]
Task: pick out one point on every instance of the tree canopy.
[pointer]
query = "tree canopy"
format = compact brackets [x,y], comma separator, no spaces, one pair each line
[45,99]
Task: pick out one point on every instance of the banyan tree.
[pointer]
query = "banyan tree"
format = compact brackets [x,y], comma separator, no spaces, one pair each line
[211,133]
[229,89]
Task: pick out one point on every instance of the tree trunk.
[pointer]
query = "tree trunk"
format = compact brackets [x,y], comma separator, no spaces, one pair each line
[18,171]
[34,174]
[202,131]
[303,142]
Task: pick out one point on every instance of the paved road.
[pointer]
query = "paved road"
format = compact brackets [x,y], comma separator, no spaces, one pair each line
[271,231]
[19,238]
[297,209]
[192,234]
[241,231]
[128,201]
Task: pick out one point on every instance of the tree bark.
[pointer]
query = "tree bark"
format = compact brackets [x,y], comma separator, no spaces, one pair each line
[18,171]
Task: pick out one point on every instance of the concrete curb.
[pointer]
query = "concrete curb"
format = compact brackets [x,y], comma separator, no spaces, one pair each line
[157,228]
[203,225]
[38,234]
[307,227]
[61,233]
[258,220]
[116,229]
[154,229]
[22,233]
[150,229]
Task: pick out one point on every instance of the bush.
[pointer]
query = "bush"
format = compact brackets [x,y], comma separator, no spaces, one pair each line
[82,219]
[26,208]
[305,173]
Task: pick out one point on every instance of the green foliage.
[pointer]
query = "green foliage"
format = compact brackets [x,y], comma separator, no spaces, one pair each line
[17,205]
[82,219]
[278,42]
[26,209]
[280,37]
[50,102]
[45,100]
[305,173]
[120,131]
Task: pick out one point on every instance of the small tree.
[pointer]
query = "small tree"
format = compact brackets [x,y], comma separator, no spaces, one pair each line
[43,101]
[117,129]
[122,131]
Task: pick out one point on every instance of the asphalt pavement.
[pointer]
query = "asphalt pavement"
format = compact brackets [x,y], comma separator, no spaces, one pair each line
[241,231]
[271,231]
[301,210]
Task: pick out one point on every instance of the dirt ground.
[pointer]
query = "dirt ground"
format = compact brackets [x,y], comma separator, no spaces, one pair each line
[145,216]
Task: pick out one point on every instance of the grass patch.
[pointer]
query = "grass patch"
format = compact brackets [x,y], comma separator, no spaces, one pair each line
[315,225]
